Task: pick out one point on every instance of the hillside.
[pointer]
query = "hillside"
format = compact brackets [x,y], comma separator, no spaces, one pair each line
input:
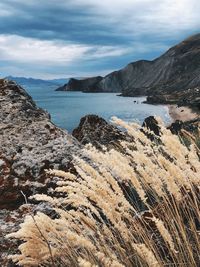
[173,77]
[87,84]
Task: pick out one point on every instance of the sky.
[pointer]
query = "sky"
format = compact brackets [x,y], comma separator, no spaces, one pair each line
[81,38]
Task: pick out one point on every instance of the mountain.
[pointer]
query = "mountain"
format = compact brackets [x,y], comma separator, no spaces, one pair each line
[175,74]
[175,71]
[36,82]
[86,85]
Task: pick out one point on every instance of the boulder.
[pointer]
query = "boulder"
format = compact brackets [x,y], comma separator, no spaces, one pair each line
[96,131]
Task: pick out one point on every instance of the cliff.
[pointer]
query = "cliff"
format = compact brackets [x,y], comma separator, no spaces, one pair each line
[86,85]
[172,77]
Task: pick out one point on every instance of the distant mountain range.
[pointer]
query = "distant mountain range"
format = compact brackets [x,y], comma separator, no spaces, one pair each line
[173,77]
[37,82]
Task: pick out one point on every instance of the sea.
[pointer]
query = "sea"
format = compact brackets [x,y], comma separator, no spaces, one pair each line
[67,108]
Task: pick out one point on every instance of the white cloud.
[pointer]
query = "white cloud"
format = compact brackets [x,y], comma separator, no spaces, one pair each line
[28,50]
[21,49]
[20,52]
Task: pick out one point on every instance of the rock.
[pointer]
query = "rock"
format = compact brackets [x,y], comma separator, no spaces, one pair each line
[190,126]
[85,85]
[95,130]
[30,143]
[9,222]
[188,131]
[152,124]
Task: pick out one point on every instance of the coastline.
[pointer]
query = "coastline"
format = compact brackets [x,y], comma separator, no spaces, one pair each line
[182,113]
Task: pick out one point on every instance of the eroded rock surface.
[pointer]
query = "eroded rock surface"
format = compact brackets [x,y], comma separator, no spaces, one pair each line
[30,143]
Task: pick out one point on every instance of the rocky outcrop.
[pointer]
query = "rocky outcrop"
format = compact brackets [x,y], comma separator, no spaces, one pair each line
[96,131]
[9,222]
[152,124]
[169,78]
[190,126]
[85,85]
[188,131]
[30,143]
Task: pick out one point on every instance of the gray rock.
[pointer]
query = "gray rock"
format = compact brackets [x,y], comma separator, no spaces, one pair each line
[30,143]
[95,130]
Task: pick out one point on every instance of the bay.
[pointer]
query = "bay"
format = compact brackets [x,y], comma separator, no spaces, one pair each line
[67,108]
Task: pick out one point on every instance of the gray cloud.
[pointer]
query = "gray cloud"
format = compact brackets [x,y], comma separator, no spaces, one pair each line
[89,36]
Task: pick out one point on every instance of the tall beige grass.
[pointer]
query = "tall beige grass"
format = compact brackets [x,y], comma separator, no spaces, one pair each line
[136,207]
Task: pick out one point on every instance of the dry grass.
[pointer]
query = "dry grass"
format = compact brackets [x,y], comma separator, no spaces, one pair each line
[138,207]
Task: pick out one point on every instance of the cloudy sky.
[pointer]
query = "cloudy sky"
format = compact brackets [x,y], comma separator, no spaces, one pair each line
[79,38]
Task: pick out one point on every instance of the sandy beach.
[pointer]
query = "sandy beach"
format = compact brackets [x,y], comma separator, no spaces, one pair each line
[182,113]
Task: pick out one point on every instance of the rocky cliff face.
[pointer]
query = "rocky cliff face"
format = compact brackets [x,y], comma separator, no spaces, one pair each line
[177,70]
[30,143]
[173,73]
[85,85]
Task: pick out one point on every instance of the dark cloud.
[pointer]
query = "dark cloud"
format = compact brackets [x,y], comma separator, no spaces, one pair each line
[49,21]
[132,29]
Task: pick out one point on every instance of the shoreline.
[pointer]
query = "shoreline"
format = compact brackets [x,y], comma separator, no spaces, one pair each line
[182,113]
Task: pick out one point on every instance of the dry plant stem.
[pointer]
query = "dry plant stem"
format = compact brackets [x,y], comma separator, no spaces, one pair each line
[48,245]
[136,207]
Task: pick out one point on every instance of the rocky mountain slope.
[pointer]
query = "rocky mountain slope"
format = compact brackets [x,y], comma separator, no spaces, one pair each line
[175,73]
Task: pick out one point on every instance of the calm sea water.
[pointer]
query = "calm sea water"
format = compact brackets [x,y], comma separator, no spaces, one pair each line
[67,108]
